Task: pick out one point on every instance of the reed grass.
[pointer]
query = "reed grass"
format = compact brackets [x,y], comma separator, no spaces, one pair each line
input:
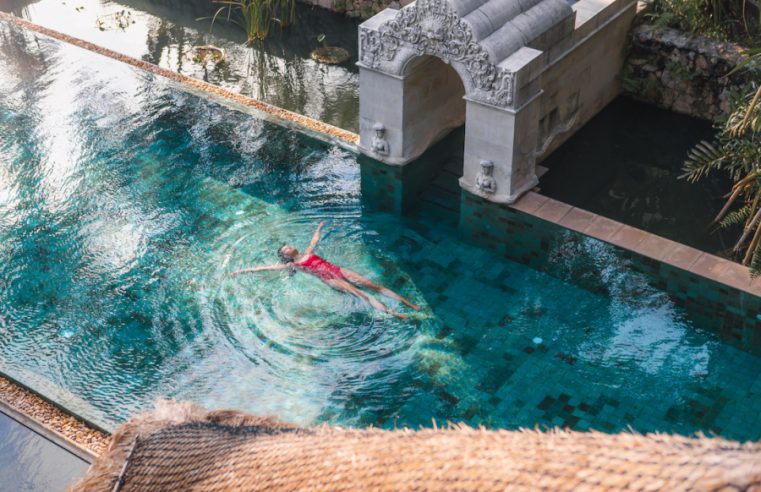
[256,17]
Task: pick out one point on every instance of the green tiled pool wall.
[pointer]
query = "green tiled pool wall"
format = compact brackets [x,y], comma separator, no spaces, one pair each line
[382,185]
[397,188]
[734,314]
[566,254]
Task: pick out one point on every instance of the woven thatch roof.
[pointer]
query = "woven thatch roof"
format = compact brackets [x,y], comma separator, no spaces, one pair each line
[179,447]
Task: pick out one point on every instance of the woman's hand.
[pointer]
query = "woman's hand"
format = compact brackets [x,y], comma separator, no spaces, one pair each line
[315,238]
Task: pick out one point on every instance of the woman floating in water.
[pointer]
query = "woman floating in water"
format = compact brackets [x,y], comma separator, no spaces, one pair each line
[339,278]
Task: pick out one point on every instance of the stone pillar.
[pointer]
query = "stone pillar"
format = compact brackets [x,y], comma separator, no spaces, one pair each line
[506,138]
[381,99]
[412,111]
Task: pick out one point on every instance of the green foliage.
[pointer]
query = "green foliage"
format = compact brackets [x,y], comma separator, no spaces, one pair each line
[646,87]
[736,218]
[256,17]
[681,71]
[724,20]
[737,151]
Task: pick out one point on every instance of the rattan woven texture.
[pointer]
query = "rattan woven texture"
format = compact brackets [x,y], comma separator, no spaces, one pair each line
[179,447]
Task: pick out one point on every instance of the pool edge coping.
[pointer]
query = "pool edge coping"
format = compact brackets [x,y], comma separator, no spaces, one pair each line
[50,435]
[58,424]
[675,254]
[312,127]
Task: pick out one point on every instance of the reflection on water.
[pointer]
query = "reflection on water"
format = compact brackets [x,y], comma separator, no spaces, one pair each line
[125,204]
[29,462]
[278,71]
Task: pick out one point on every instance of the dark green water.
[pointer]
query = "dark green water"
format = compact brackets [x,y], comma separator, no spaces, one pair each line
[625,164]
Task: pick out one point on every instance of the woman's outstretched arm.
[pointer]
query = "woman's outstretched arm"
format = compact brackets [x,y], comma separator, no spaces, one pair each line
[315,239]
[279,266]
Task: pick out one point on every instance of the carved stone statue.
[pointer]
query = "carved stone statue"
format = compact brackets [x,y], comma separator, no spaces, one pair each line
[379,144]
[485,181]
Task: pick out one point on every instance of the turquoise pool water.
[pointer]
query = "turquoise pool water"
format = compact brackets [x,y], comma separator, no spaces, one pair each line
[124,202]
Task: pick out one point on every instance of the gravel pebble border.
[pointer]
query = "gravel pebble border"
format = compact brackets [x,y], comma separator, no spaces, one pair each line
[305,122]
[52,418]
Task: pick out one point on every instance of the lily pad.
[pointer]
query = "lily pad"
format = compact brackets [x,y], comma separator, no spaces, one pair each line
[330,55]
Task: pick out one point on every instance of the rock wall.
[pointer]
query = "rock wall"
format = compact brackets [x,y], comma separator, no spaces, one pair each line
[675,71]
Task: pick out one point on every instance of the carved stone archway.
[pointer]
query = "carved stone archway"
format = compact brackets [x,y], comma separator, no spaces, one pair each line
[533,72]
[494,46]
[433,27]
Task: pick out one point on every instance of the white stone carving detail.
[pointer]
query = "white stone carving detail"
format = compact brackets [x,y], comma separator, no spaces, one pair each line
[433,27]
[379,144]
[485,181]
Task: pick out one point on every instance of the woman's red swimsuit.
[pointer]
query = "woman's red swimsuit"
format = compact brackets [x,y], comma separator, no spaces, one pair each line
[320,268]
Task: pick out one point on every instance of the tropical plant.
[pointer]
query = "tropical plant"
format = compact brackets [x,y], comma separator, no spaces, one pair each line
[256,17]
[737,151]
[725,20]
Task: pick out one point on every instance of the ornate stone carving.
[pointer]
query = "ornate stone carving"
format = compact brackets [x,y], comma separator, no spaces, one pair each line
[433,27]
[379,143]
[485,181]
[372,50]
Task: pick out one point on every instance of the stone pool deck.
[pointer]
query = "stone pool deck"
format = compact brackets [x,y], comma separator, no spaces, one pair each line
[33,458]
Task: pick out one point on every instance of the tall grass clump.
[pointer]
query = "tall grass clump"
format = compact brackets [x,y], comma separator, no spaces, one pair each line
[256,17]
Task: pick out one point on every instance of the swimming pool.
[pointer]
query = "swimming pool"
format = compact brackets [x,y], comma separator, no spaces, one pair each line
[124,202]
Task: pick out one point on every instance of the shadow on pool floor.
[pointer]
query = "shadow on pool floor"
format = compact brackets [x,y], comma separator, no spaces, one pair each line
[625,163]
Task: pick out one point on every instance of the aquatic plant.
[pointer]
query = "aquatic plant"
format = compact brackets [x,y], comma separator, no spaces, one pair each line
[118,20]
[330,55]
[208,53]
[256,17]
[737,151]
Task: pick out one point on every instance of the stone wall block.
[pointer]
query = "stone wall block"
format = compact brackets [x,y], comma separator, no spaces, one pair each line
[676,71]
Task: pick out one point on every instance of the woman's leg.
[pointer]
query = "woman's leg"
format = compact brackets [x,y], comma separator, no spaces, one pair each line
[358,279]
[344,286]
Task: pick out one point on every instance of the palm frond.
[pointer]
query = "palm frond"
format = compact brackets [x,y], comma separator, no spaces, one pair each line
[736,218]
[701,160]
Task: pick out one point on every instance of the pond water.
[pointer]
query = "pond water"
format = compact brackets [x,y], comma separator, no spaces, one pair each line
[625,164]
[278,71]
[125,203]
